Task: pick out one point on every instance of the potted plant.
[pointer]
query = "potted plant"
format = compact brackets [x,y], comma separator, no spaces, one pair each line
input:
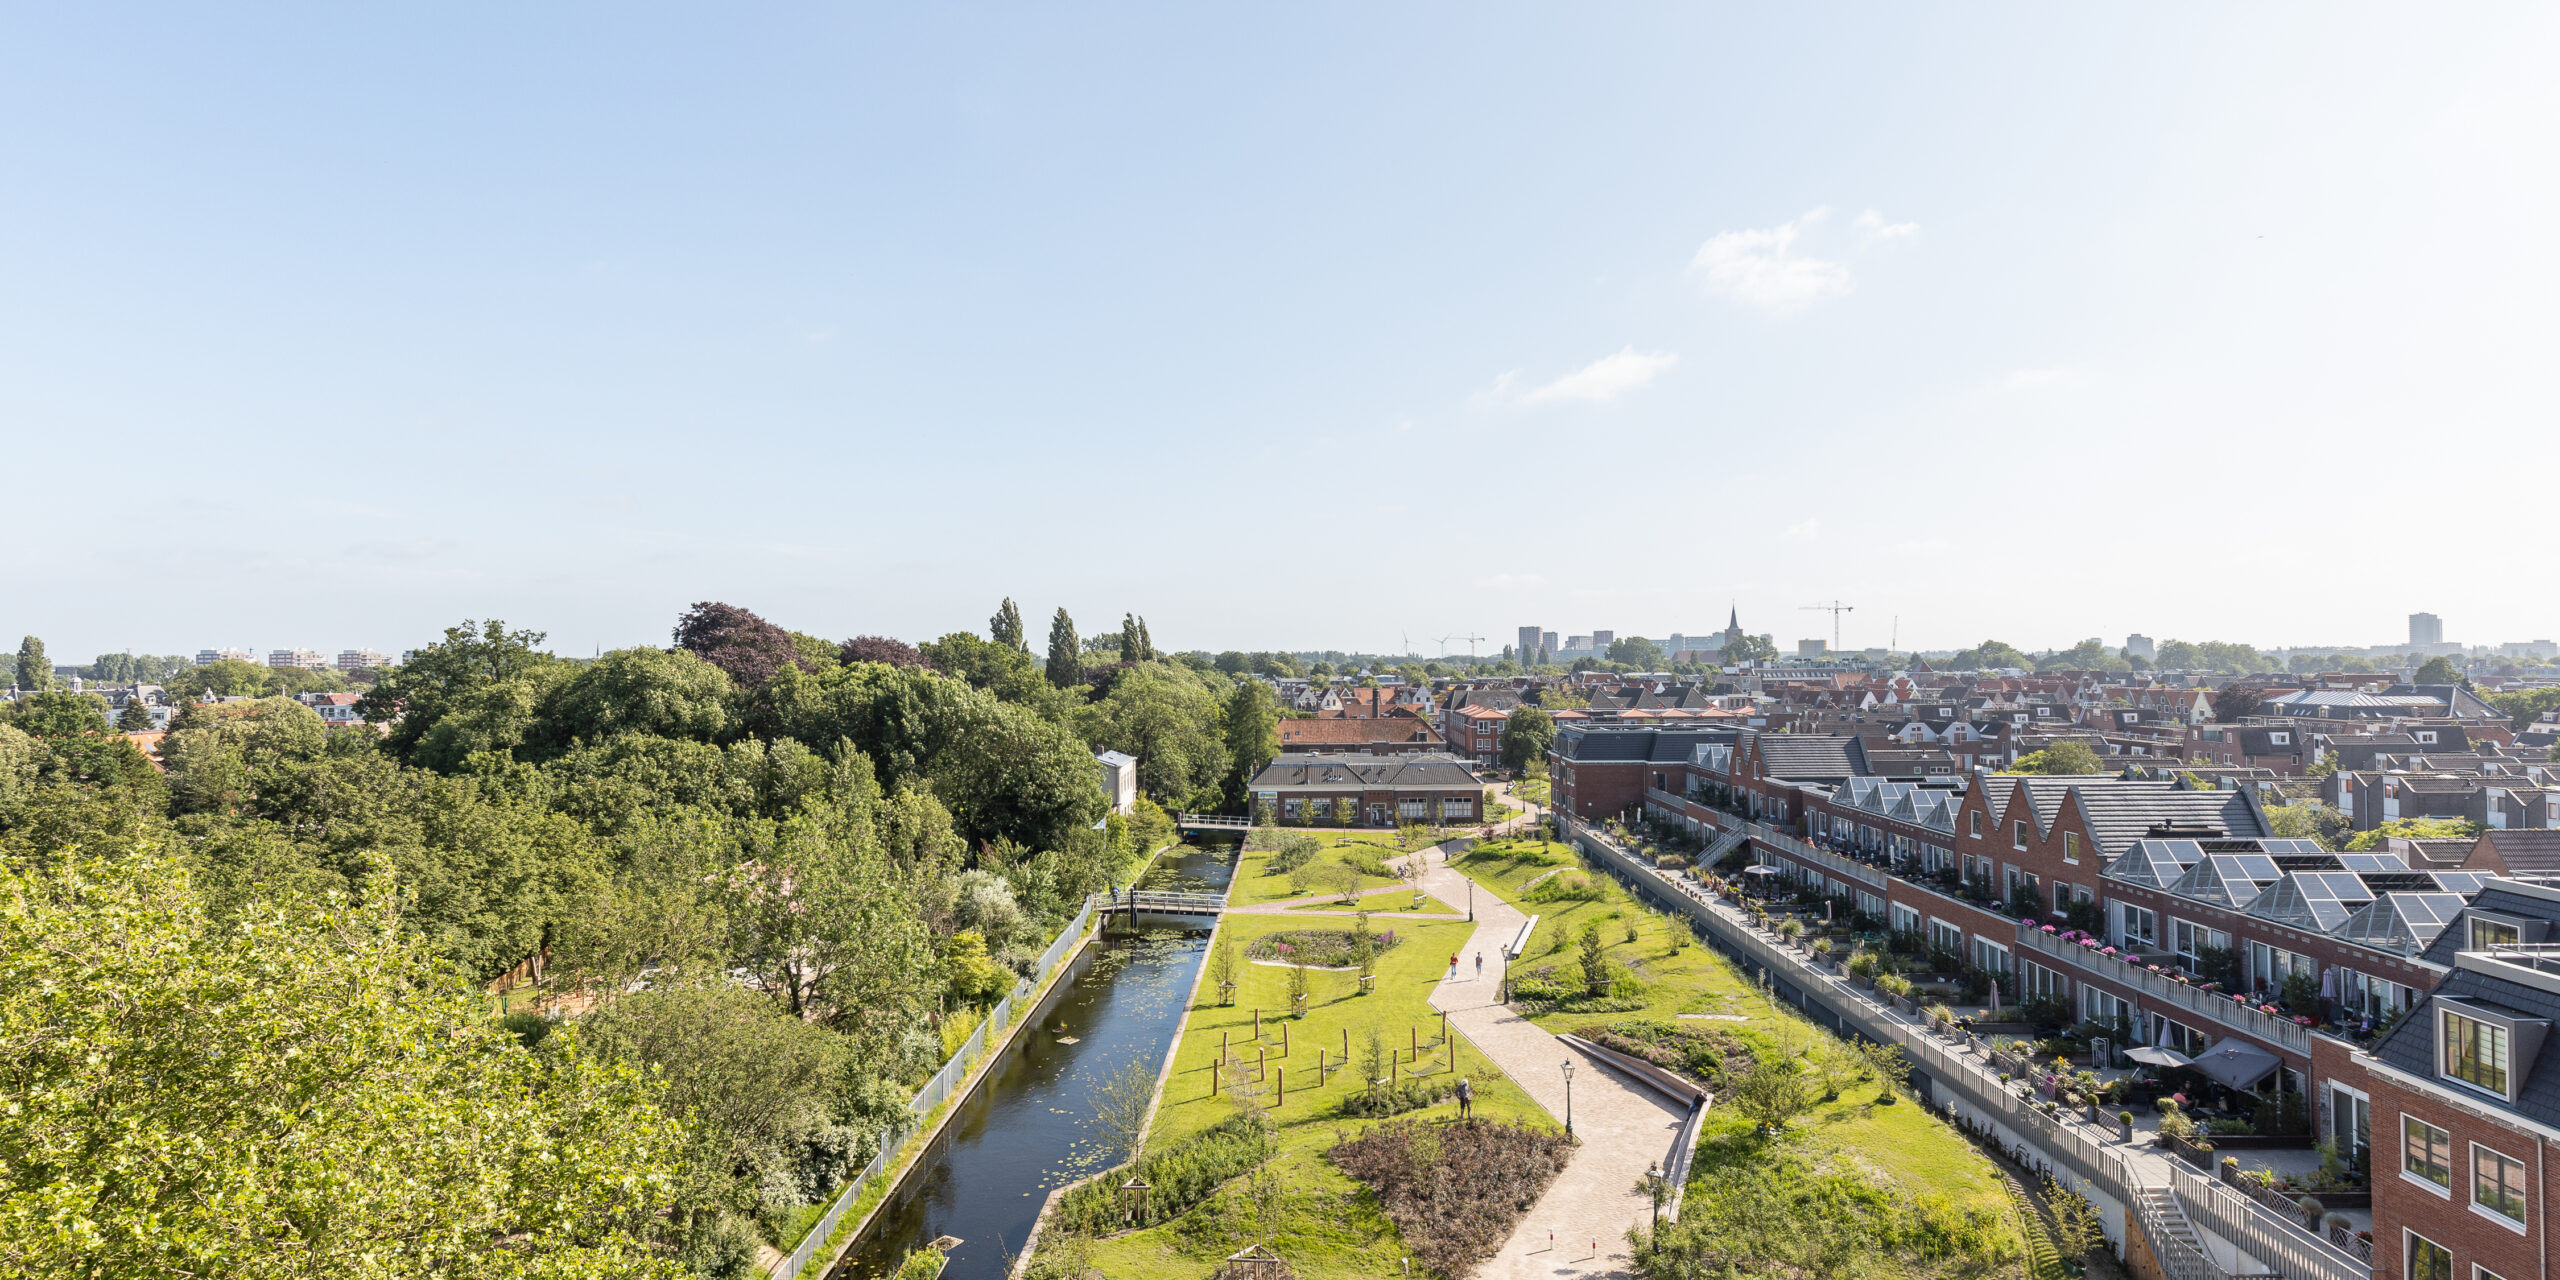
[2124,1123]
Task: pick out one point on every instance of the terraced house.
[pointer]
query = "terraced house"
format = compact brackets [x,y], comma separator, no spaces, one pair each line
[1368,790]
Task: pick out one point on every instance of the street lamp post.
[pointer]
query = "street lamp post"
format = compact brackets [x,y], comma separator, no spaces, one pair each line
[1568,1097]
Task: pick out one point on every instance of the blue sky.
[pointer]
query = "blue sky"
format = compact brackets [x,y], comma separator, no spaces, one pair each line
[1315,326]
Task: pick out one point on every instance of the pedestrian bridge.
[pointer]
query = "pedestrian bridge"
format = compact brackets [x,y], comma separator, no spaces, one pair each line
[1157,902]
[1213,822]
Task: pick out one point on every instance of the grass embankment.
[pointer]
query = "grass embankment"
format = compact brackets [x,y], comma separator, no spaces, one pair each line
[1319,1219]
[1860,1158]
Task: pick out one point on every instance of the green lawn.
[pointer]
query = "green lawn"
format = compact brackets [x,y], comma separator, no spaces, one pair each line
[1326,1225]
[1396,900]
[1902,1144]
[1254,883]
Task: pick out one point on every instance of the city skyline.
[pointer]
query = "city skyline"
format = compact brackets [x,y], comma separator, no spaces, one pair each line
[894,315]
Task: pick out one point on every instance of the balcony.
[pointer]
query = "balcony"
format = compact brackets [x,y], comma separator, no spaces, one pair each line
[2164,993]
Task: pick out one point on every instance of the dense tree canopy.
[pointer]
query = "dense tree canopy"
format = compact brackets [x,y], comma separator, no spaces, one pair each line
[298,1092]
[1637,652]
[749,648]
[1990,655]
[810,864]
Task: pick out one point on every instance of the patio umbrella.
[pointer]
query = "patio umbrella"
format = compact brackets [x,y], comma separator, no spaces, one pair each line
[2155,1056]
[1995,996]
[2329,983]
[2236,1063]
[1761,870]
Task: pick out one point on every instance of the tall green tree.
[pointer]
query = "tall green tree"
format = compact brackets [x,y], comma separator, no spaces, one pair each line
[1146,643]
[1006,627]
[35,671]
[1130,651]
[1066,659]
[1252,722]
[1526,734]
[2435,670]
[135,717]
[474,690]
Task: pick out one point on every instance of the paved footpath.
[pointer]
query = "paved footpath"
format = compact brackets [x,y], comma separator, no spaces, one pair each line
[1624,1126]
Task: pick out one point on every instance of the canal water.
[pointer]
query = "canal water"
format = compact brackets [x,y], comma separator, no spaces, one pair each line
[1029,1128]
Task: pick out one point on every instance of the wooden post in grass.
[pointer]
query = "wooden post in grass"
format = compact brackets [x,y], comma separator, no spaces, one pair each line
[1212,1069]
[1413,1038]
[1319,1068]
[1222,1046]
[1280,1084]
[1346,1044]
[1257,1024]
[1284,1039]
[1392,1063]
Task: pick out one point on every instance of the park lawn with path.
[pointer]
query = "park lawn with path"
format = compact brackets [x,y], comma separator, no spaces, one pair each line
[1396,901]
[1326,1225]
[1255,884]
[1902,1144]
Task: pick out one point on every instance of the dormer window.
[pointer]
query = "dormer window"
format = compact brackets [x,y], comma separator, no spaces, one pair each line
[2475,1052]
[2280,739]
[2493,933]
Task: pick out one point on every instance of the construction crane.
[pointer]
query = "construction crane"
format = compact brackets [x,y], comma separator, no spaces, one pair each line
[1472,642]
[1835,609]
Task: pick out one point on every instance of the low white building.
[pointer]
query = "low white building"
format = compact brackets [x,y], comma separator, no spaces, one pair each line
[1119,779]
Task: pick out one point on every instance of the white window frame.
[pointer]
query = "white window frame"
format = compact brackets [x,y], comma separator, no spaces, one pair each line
[2402,1158]
[2517,1225]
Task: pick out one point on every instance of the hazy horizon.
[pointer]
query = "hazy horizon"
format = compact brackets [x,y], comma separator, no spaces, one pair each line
[1289,330]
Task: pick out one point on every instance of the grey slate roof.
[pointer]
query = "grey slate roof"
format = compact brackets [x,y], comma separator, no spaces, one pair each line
[1811,757]
[1605,745]
[1431,772]
[2410,1046]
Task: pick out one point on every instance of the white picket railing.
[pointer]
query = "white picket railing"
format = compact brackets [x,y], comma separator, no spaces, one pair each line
[935,1091]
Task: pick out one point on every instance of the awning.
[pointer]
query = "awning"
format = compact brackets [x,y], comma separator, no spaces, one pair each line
[2236,1063]
[2155,1056]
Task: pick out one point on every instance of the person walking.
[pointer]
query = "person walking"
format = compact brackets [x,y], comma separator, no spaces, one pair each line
[1466,1099]
[1479,964]
[1453,966]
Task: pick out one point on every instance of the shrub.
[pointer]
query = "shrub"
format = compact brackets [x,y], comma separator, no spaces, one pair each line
[1323,948]
[1295,851]
[1365,860]
[1183,1175]
[1454,1191]
[1894,984]
[921,1264]
[1379,1101]
[1567,886]
[1713,1056]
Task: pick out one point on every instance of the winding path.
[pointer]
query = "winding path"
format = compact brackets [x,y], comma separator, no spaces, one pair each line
[1579,1226]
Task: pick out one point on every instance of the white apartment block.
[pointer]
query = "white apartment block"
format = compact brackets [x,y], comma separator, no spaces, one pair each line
[208,657]
[307,659]
[360,659]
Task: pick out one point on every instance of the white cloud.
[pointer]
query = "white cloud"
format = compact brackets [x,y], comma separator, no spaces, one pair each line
[1761,266]
[1606,378]
[1924,547]
[1873,229]
[1808,529]
[1512,581]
